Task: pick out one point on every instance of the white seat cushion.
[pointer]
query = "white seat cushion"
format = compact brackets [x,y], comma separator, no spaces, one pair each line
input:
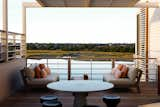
[121,82]
[43,81]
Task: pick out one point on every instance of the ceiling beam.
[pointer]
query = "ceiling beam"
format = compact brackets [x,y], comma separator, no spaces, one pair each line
[87,3]
[111,2]
[65,3]
[132,3]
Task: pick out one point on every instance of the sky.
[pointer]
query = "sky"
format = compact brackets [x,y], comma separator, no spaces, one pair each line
[74,25]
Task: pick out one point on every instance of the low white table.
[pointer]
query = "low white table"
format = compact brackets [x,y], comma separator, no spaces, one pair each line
[80,89]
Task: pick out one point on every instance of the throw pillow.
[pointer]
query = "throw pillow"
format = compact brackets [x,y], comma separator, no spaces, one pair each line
[30,74]
[114,70]
[47,70]
[37,72]
[132,73]
[42,66]
[124,71]
[117,74]
[32,66]
[43,73]
[120,66]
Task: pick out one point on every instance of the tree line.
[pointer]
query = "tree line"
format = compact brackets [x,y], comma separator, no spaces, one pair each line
[116,47]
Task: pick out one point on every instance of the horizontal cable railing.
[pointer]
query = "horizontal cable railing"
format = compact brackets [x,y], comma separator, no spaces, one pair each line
[95,69]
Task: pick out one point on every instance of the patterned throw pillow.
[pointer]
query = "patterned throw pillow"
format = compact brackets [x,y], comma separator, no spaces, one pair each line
[37,72]
[47,70]
[41,66]
[43,74]
[117,74]
[124,71]
[29,73]
[120,66]
[114,70]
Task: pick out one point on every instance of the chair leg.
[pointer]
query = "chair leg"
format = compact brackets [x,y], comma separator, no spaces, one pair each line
[138,89]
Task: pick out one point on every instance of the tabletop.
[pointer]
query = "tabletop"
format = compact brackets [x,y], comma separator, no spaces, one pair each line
[80,85]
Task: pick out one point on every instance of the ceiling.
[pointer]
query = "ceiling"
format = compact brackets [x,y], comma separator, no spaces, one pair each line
[88,3]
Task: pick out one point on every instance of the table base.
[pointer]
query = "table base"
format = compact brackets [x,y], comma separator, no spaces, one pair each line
[80,99]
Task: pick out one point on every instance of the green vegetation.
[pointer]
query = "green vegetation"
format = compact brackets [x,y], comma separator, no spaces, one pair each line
[81,51]
[83,47]
[79,55]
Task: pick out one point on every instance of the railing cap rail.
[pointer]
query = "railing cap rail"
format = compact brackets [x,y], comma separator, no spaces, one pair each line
[9,32]
[92,59]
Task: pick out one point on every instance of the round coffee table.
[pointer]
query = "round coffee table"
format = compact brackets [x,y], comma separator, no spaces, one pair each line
[80,89]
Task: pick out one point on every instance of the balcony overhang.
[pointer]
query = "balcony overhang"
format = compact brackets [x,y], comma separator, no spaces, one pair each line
[149,3]
[87,3]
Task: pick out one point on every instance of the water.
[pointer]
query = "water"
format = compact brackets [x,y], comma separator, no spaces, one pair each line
[94,69]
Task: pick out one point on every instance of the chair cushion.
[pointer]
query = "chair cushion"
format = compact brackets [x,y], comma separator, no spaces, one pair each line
[132,73]
[108,76]
[43,81]
[47,70]
[42,66]
[29,73]
[43,73]
[37,72]
[121,82]
[117,74]
[124,71]
[114,70]
[120,66]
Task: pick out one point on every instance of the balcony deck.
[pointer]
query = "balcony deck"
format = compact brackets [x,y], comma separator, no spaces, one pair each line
[129,97]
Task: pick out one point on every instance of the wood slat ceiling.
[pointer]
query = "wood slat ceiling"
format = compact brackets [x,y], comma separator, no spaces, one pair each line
[88,3]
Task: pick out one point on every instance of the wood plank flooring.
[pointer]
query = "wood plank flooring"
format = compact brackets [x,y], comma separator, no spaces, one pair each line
[129,97]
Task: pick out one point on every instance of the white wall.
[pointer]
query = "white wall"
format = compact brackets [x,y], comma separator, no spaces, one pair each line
[154,32]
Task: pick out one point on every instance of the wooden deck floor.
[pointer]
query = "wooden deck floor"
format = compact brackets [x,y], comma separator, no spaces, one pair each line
[129,97]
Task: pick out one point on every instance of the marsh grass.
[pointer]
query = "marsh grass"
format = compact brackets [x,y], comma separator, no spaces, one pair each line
[79,55]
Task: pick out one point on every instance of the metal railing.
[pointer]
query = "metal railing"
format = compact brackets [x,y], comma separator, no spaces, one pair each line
[68,68]
[12,46]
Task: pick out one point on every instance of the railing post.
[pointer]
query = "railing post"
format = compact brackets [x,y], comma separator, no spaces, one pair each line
[5,27]
[14,39]
[147,77]
[147,34]
[14,43]
[113,62]
[158,79]
[91,67]
[69,68]
[47,62]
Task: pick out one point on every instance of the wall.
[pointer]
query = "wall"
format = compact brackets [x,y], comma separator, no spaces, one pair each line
[154,32]
[10,78]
